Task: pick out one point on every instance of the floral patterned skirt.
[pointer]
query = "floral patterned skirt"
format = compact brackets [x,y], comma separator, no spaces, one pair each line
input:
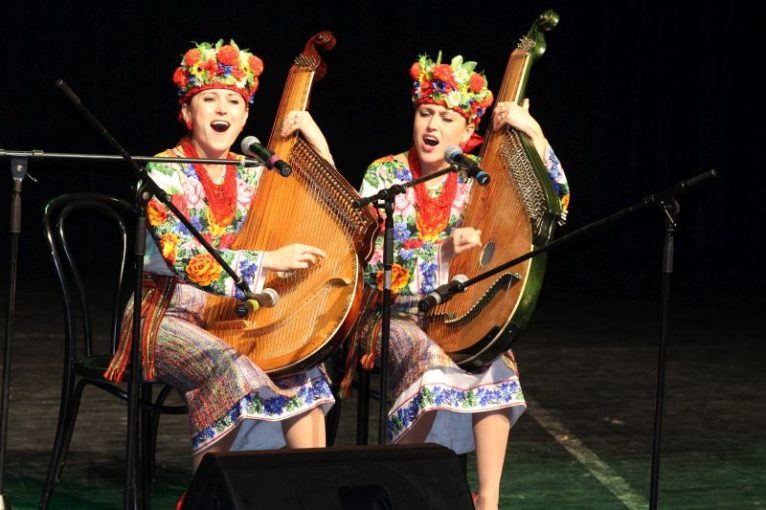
[224,389]
[425,379]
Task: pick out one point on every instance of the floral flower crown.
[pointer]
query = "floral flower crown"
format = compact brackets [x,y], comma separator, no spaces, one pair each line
[208,66]
[455,86]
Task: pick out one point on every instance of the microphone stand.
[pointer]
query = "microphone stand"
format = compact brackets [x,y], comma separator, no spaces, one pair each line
[670,208]
[385,199]
[146,189]
[38,154]
[659,199]
[18,173]
[666,201]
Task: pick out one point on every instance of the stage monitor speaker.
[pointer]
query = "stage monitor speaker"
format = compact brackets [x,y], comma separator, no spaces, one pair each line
[391,477]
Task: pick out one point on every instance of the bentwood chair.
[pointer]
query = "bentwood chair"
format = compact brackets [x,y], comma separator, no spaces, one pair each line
[94,294]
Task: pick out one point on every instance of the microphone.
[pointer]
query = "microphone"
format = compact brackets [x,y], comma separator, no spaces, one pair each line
[455,156]
[443,293]
[267,297]
[252,147]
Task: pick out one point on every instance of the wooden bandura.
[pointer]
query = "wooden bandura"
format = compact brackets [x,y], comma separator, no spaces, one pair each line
[516,212]
[313,206]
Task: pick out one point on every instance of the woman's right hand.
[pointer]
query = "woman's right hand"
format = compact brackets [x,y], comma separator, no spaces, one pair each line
[518,117]
[301,120]
[460,240]
[292,256]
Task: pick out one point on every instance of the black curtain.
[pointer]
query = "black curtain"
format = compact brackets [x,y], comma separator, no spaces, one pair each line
[634,96]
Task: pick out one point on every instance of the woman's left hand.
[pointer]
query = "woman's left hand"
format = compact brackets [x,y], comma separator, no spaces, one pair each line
[301,120]
[508,113]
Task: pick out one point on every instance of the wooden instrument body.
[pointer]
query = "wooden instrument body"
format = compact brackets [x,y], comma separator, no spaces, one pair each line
[312,206]
[516,212]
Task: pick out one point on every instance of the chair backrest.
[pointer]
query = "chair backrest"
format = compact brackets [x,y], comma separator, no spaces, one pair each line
[79,227]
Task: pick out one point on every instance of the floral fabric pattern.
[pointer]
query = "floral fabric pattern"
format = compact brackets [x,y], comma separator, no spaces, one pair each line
[222,387]
[424,378]
[418,268]
[274,408]
[184,254]
[446,398]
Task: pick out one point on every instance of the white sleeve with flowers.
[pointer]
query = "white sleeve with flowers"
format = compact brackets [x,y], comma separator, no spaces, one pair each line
[417,268]
[183,253]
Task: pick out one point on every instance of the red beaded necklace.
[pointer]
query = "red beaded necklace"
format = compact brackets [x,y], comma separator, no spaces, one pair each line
[222,198]
[432,212]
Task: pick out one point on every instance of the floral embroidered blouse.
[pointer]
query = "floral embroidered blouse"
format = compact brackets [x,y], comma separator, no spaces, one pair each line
[175,251]
[418,266]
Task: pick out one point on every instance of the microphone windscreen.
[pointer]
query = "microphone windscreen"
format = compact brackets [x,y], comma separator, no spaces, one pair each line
[270,297]
[461,278]
[246,143]
[452,152]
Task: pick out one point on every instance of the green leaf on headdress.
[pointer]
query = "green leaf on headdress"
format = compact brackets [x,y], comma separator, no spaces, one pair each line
[457,62]
[439,58]
[469,66]
[219,44]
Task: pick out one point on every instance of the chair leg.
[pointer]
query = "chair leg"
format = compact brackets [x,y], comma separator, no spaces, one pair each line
[69,430]
[363,408]
[59,442]
[132,497]
[332,421]
[148,438]
[62,442]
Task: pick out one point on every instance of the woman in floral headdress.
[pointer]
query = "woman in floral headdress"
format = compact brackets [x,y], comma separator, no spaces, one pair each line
[225,391]
[435,399]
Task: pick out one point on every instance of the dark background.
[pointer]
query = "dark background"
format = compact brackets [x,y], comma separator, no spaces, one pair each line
[634,96]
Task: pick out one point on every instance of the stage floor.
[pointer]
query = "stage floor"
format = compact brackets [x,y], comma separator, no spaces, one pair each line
[589,371]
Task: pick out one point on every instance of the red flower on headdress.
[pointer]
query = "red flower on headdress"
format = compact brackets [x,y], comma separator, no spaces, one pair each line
[487,101]
[192,56]
[443,72]
[180,79]
[426,89]
[217,65]
[256,65]
[415,71]
[476,83]
[210,67]
[228,55]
